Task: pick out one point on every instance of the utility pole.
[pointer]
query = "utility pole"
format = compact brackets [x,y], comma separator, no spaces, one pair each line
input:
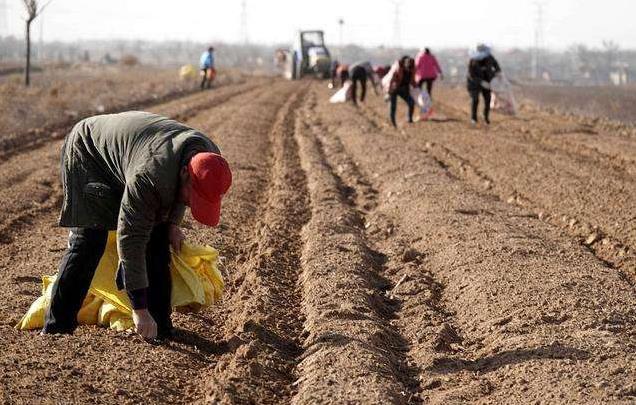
[341,25]
[4,20]
[396,23]
[244,33]
[538,39]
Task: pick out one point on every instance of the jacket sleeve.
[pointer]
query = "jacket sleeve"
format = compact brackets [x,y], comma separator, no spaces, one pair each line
[139,207]
[494,64]
[177,213]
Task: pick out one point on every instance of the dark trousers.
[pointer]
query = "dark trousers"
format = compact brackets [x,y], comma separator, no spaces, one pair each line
[359,77]
[206,79]
[429,86]
[86,247]
[474,95]
[404,94]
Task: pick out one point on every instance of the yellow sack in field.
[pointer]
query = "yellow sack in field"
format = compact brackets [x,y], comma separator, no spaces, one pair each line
[187,72]
[196,283]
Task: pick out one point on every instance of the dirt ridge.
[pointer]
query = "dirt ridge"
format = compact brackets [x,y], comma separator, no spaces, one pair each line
[349,338]
[267,322]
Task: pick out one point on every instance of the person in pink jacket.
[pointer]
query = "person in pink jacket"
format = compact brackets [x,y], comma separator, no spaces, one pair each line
[427,70]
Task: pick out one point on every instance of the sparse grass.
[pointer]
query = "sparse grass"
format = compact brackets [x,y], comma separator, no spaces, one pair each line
[60,94]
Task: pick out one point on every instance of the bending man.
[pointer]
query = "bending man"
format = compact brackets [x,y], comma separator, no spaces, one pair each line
[359,73]
[133,172]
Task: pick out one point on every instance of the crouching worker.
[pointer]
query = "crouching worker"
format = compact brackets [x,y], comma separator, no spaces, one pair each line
[359,73]
[133,172]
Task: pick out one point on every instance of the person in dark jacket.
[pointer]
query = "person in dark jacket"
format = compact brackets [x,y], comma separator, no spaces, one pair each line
[133,172]
[400,86]
[359,73]
[482,68]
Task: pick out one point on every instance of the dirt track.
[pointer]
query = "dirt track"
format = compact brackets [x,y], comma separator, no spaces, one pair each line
[434,263]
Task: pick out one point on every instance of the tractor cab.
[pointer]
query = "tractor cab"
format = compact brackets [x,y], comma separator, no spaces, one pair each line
[311,55]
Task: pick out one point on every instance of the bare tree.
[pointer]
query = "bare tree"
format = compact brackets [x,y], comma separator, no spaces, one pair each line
[32,12]
[612,50]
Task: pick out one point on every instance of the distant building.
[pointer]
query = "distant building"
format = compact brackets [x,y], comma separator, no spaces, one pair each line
[619,74]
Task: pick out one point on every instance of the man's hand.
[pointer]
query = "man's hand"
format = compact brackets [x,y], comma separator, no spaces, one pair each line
[176,236]
[144,324]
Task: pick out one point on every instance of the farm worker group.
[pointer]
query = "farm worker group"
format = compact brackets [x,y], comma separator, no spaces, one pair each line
[406,78]
[133,172]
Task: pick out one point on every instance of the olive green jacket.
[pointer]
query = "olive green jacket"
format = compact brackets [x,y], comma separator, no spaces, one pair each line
[121,171]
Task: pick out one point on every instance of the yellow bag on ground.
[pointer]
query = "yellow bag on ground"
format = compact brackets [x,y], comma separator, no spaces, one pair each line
[187,72]
[196,283]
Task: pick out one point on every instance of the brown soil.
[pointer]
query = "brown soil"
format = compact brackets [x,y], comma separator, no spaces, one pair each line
[601,102]
[434,263]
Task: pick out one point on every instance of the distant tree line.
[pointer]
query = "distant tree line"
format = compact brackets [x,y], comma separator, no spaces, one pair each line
[577,65]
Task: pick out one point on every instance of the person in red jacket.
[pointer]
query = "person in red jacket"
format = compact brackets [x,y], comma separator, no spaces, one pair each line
[427,70]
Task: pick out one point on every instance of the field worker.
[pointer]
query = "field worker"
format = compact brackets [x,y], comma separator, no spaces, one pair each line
[401,81]
[359,73]
[482,68]
[340,72]
[206,64]
[381,70]
[427,70]
[133,172]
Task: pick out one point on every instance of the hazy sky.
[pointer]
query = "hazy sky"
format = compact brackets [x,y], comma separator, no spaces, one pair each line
[438,23]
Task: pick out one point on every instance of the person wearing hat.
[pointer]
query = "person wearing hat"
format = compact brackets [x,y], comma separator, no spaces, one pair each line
[134,172]
[482,68]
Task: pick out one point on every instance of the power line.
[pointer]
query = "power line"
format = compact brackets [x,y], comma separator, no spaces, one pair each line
[244,33]
[4,20]
[341,23]
[538,38]
[397,40]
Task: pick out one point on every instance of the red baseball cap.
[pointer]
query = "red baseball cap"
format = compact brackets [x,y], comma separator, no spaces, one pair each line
[211,178]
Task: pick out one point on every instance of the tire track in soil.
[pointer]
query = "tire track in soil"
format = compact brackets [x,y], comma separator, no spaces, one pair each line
[106,364]
[353,351]
[264,321]
[40,166]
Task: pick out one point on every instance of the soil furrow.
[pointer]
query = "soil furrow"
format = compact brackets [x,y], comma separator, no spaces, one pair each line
[528,318]
[352,352]
[420,316]
[557,185]
[265,322]
[609,249]
[104,364]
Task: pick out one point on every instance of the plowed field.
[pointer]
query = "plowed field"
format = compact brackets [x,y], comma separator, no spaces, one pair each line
[435,263]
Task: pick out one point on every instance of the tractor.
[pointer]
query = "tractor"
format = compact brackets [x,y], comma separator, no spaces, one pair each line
[308,56]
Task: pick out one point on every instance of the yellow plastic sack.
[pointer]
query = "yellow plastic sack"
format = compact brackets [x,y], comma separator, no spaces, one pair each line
[187,72]
[196,283]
